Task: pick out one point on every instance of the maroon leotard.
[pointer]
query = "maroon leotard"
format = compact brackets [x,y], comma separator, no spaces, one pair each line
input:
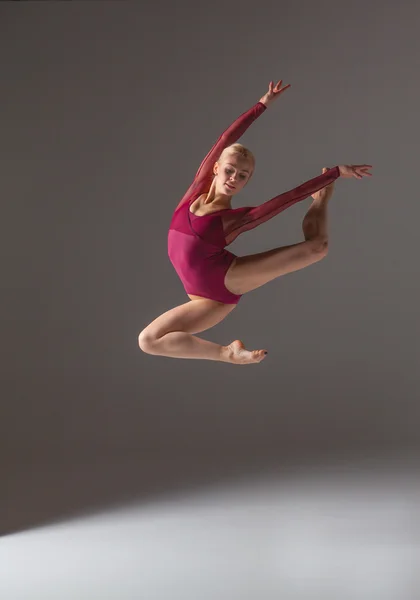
[196,244]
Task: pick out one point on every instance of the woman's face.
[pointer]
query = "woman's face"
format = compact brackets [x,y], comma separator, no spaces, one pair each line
[232,174]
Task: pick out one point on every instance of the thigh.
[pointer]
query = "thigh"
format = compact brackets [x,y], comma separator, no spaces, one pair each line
[250,272]
[192,317]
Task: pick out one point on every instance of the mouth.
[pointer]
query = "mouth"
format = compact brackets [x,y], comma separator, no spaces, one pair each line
[230,187]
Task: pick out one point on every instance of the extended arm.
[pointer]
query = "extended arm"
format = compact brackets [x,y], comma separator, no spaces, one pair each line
[228,137]
[248,217]
[237,129]
[204,175]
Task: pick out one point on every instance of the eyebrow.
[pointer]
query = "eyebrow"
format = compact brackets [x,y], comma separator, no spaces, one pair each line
[245,170]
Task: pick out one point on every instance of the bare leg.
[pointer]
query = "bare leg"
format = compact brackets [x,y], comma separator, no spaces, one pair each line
[315,223]
[250,272]
[171,334]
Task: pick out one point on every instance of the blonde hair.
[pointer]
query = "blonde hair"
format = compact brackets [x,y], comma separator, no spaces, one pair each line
[242,151]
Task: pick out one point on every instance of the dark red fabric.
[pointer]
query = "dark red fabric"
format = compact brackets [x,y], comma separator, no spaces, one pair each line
[196,244]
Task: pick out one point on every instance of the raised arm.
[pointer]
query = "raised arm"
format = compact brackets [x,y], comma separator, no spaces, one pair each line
[236,130]
[204,175]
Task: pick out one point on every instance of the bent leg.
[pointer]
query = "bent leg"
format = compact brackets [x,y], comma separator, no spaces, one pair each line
[171,333]
[315,223]
[250,272]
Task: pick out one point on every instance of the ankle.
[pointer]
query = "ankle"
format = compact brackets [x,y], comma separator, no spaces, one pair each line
[224,354]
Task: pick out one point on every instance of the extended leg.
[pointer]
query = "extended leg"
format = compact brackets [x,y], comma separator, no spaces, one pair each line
[171,334]
[250,272]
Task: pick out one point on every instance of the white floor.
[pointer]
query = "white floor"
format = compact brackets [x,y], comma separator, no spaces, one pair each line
[351,535]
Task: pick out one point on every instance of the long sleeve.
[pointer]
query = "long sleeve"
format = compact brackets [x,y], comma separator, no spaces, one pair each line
[248,217]
[204,175]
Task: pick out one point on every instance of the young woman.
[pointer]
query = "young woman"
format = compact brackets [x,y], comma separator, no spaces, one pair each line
[204,223]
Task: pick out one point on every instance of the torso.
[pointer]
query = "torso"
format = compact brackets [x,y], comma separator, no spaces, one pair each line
[199,209]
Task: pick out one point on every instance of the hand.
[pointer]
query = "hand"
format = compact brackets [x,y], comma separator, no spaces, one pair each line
[274,92]
[357,171]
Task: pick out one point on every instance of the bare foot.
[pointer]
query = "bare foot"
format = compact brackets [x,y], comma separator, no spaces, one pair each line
[237,354]
[326,192]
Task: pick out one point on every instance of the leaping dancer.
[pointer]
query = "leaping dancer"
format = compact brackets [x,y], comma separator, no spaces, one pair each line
[204,223]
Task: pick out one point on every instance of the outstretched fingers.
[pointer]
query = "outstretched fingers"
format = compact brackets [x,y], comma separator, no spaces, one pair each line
[357,171]
[278,89]
[274,91]
[361,171]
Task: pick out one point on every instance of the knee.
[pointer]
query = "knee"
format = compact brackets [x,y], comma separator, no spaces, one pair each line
[319,247]
[147,341]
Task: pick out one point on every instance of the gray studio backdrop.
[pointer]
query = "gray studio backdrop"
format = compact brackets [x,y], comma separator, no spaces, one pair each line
[107,110]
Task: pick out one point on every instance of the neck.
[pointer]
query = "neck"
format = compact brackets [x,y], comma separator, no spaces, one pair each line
[214,197]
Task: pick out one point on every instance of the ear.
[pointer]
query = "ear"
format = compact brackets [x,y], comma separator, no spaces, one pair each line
[215,168]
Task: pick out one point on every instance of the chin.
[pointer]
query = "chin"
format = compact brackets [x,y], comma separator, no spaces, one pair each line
[228,191]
